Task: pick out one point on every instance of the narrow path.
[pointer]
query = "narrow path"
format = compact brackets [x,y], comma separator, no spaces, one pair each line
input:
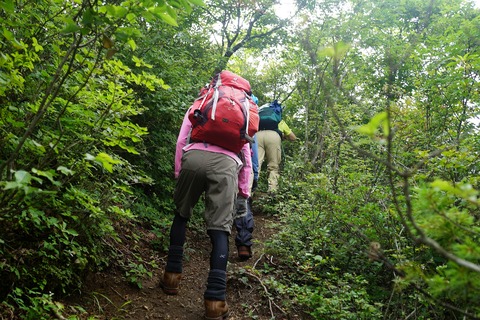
[108,295]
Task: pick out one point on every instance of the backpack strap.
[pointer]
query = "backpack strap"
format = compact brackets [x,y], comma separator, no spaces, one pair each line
[204,98]
[246,107]
[265,106]
[215,102]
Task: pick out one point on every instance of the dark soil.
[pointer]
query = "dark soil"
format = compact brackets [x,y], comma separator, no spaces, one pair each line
[108,295]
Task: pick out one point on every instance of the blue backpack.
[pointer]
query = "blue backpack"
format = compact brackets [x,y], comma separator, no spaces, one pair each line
[270,116]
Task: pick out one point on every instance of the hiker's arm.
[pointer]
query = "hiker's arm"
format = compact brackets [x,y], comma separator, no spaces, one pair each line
[287,132]
[291,136]
[254,150]
[244,174]
[181,142]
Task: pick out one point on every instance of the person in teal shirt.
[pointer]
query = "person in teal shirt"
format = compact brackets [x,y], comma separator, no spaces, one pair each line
[270,147]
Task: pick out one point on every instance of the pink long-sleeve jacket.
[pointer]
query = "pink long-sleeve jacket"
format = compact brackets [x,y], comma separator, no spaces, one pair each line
[245,165]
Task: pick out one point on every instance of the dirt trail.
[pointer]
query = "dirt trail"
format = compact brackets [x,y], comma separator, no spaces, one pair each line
[108,296]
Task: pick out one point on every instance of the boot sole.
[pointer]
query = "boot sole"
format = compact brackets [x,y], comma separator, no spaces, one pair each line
[244,257]
[169,291]
[222,317]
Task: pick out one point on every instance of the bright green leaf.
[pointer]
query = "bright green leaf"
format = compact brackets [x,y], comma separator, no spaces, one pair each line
[185,5]
[132,44]
[72,232]
[464,191]
[8,35]
[36,45]
[131,17]
[65,171]
[120,12]
[371,127]
[8,6]
[171,12]
[50,174]
[11,185]
[164,15]
[22,177]
[106,161]
[197,2]
[327,52]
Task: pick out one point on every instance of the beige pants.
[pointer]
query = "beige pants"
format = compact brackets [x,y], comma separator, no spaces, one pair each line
[214,174]
[270,147]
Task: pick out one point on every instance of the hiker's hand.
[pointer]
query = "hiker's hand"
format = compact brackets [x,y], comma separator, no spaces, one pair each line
[254,185]
[241,206]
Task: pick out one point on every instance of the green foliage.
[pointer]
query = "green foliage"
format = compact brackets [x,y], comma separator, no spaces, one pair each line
[381,94]
[34,304]
[136,273]
[447,214]
[339,297]
[328,271]
[67,137]
[379,120]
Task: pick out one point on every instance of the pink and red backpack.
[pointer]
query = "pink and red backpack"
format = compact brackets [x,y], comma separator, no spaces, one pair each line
[224,114]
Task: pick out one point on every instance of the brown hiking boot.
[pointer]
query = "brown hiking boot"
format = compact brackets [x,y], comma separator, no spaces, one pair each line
[216,310]
[244,252]
[170,282]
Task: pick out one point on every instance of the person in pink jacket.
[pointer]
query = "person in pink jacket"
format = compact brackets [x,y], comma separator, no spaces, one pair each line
[223,176]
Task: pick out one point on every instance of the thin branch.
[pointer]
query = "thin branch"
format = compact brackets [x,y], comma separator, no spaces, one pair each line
[270,300]
[447,305]
[258,260]
[461,262]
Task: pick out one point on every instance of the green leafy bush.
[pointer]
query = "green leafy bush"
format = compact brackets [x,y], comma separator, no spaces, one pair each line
[66,137]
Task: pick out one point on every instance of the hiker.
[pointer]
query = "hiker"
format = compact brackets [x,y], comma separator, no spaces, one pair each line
[219,174]
[272,130]
[244,224]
